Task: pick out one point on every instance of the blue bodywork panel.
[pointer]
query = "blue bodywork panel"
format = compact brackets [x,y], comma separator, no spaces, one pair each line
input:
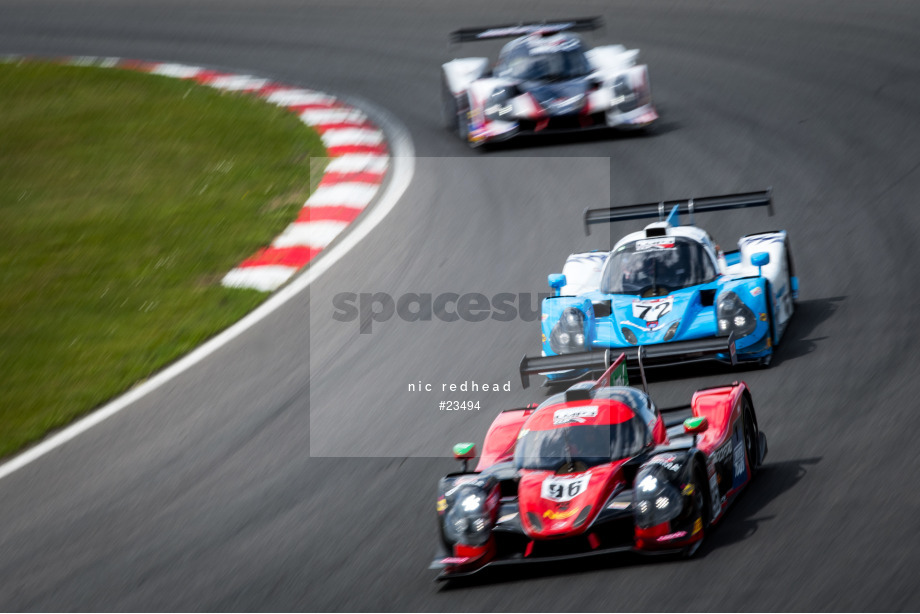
[686,314]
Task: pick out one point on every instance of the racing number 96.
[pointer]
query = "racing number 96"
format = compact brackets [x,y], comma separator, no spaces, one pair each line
[564,489]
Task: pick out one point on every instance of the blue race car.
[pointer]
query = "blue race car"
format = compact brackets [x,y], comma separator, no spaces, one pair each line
[670,288]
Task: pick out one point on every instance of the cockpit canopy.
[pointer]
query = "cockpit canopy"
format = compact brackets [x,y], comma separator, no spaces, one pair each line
[615,424]
[537,58]
[656,266]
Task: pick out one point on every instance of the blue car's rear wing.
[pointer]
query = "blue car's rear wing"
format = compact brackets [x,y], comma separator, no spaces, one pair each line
[742,200]
[659,354]
[466,35]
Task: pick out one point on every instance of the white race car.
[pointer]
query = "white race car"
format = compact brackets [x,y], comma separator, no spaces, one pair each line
[545,80]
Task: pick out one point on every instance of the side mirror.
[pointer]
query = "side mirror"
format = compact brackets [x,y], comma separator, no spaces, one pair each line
[556,282]
[696,425]
[464,452]
[760,259]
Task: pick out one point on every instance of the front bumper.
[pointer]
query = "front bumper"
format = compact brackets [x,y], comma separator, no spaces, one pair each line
[637,118]
[499,130]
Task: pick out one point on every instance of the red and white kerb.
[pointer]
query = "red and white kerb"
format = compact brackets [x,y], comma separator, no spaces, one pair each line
[358,162]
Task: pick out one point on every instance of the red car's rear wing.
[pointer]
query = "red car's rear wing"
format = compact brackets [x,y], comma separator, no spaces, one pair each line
[742,200]
[465,35]
[659,354]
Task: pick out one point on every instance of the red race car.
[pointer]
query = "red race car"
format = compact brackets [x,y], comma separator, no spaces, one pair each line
[598,469]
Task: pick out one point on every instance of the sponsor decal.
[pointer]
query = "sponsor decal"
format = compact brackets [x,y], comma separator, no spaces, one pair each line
[756,291]
[507,517]
[461,482]
[688,490]
[564,489]
[619,376]
[739,458]
[658,243]
[636,326]
[598,257]
[619,505]
[521,30]
[771,238]
[560,515]
[648,483]
[442,505]
[667,462]
[722,453]
[714,489]
[763,317]
[554,46]
[672,536]
[697,526]
[574,415]
[455,560]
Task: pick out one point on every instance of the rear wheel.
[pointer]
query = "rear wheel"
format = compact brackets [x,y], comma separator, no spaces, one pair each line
[751,437]
[790,269]
[771,330]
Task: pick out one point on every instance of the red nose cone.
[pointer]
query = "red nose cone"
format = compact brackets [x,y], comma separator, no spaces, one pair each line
[562,505]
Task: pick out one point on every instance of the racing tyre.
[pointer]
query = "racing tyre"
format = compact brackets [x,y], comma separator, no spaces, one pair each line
[700,509]
[463,122]
[765,361]
[449,113]
[751,437]
[790,268]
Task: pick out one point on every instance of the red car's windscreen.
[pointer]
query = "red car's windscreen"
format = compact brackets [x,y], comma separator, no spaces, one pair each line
[592,433]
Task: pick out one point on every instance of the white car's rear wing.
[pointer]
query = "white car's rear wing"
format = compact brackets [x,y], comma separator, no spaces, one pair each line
[466,35]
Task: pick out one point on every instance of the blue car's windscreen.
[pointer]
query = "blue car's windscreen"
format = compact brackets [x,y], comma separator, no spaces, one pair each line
[664,264]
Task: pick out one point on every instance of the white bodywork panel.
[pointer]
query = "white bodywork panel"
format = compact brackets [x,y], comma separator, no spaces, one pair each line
[481,89]
[461,72]
[777,270]
[612,58]
[583,273]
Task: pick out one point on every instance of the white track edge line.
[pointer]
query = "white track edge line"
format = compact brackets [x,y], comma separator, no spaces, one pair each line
[402,159]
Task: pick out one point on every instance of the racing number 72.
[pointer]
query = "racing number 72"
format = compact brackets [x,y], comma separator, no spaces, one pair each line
[657,308]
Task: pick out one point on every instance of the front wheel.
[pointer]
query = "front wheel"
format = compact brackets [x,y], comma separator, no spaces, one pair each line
[463,123]
[449,111]
[700,511]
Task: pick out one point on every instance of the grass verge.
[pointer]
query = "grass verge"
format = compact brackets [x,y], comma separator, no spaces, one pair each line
[124,198]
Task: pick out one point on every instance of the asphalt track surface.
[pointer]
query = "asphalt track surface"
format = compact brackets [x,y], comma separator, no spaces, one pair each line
[292,470]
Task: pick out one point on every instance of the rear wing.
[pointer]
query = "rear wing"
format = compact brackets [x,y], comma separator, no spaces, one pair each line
[742,200]
[659,354]
[466,35]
